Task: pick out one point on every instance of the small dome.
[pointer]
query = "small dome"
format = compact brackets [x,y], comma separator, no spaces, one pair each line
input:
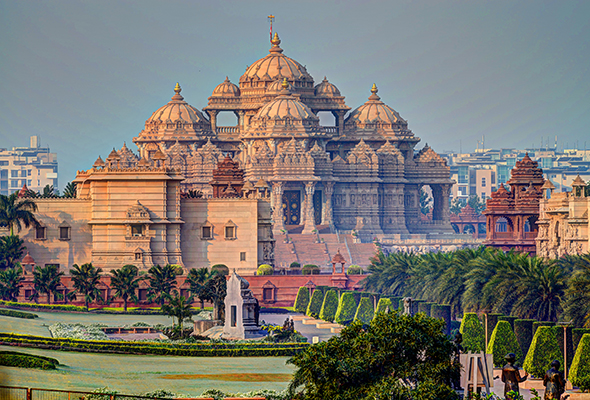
[338,259]
[374,111]
[28,260]
[277,86]
[226,89]
[327,89]
[98,163]
[286,106]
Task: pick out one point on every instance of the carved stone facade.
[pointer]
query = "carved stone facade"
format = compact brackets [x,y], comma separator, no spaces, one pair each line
[512,215]
[361,174]
[564,226]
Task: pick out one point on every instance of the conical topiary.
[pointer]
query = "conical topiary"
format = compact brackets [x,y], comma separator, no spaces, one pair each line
[580,371]
[383,305]
[503,341]
[473,333]
[330,306]
[315,304]
[346,309]
[544,349]
[302,300]
[365,311]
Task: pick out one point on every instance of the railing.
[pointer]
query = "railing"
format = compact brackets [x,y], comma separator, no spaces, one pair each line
[227,129]
[331,129]
[24,393]
[530,235]
[503,235]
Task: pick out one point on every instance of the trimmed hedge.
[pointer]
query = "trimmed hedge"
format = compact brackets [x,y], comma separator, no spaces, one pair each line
[577,334]
[580,371]
[61,307]
[24,360]
[221,269]
[354,270]
[523,329]
[264,269]
[537,324]
[442,311]
[346,309]
[473,333]
[382,306]
[503,341]
[559,331]
[395,302]
[295,265]
[330,306]
[508,318]
[211,349]
[315,304]
[17,314]
[310,269]
[492,319]
[425,307]
[544,349]
[365,311]
[302,300]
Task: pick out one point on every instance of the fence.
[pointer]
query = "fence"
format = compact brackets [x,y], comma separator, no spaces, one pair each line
[24,393]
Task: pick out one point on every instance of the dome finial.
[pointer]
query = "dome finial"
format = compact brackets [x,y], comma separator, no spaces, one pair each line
[177,88]
[374,91]
[285,84]
[275,41]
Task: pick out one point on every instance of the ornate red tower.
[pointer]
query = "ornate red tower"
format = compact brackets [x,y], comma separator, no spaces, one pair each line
[511,216]
[228,179]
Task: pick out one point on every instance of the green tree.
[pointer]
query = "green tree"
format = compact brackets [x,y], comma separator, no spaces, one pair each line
[473,333]
[395,357]
[86,279]
[425,202]
[70,190]
[12,249]
[197,278]
[17,212]
[315,304]
[125,282]
[178,307]
[502,342]
[580,370]
[477,203]
[544,349]
[302,300]
[162,281]
[383,305]
[346,308]
[10,282]
[264,269]
[330,306]
[47,280]
[48,192]
[456,206]
[390,274]
[577,294]
[365,311]
[214,291]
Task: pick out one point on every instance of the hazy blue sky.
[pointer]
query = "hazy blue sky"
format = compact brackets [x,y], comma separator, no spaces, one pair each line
[85,75]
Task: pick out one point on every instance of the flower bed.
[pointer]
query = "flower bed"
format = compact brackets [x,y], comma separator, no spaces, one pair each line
[78,331]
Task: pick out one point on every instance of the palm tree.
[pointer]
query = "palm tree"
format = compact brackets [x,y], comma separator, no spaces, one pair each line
[178,307]
[162,282]
[577,306]
[197,279]
[86,279]
[214,291]
[125,281]
[11,251]
[48,192]
[70,190]
[11,282]
[391,274]
[16,212]
[47,280]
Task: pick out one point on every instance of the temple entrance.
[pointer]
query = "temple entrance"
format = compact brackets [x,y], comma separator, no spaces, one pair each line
[291,207]
[317,207]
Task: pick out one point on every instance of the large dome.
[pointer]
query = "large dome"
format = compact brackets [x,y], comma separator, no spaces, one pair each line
[276,66]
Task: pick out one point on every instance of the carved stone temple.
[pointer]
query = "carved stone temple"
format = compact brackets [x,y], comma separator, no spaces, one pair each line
[241,310]
[362,174]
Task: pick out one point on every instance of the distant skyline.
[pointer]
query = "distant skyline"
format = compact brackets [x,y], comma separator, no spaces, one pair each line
[85,76]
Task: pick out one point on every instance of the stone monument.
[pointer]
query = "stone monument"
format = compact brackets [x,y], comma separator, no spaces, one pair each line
[241,310]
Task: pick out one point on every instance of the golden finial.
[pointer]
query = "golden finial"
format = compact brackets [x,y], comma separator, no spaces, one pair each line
[275,40]
[177,88]
[285,84]
[374,89]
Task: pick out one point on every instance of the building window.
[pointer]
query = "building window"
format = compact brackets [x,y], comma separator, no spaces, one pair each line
[136,230]
[267,294]
[230,232]
[14,174]
[234,315]
[483,182]
[40,233]
[137,256]
[206,232]
[14,184]
[142,294]
[243,256]
[502,225]
[64,233]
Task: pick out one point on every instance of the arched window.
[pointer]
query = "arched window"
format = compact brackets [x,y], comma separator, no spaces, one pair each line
[501,225]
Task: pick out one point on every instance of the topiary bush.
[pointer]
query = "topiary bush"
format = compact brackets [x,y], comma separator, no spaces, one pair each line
[580,371]
[382,306]
[442,311]
[295,265]
[315,304]
[221,269]
[425,307]
[310,269]
[346,309]
[577,334]
[473,333]
[365,311]
[537,324]
[544,349]
[302,300]
[264,269]
[508,318]
[23,360]
[503,341]
[330,306]
[492,319]
[559,331]
[354,270]
[18,314]
[523,329]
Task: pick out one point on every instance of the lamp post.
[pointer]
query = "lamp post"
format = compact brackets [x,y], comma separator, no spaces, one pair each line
[565,325]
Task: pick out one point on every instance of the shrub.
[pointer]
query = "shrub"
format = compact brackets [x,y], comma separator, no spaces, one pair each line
[492,319]
[473,333]
[580,371]
[395,302]
[382,306]
[23,360]
[310,269]
[577,334]
[315,304]
[60,307]
[503,341]
[354,270]
[425,307]
[302,300]
[537,324]
[559,331]
[346,309]
[544,349]
[365,311]
[330,306]
[508,318]
[221,269]
[523,329]
[17,314]
[264,269]
[442,311]
[295,265]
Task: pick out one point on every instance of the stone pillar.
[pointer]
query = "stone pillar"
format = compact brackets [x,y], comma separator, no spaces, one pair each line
[240,115]
[308,222]
[327,212]
[446,204]
[276,202]
[213,119]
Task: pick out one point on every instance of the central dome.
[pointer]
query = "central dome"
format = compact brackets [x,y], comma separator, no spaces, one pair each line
[286,106]
[276,66]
